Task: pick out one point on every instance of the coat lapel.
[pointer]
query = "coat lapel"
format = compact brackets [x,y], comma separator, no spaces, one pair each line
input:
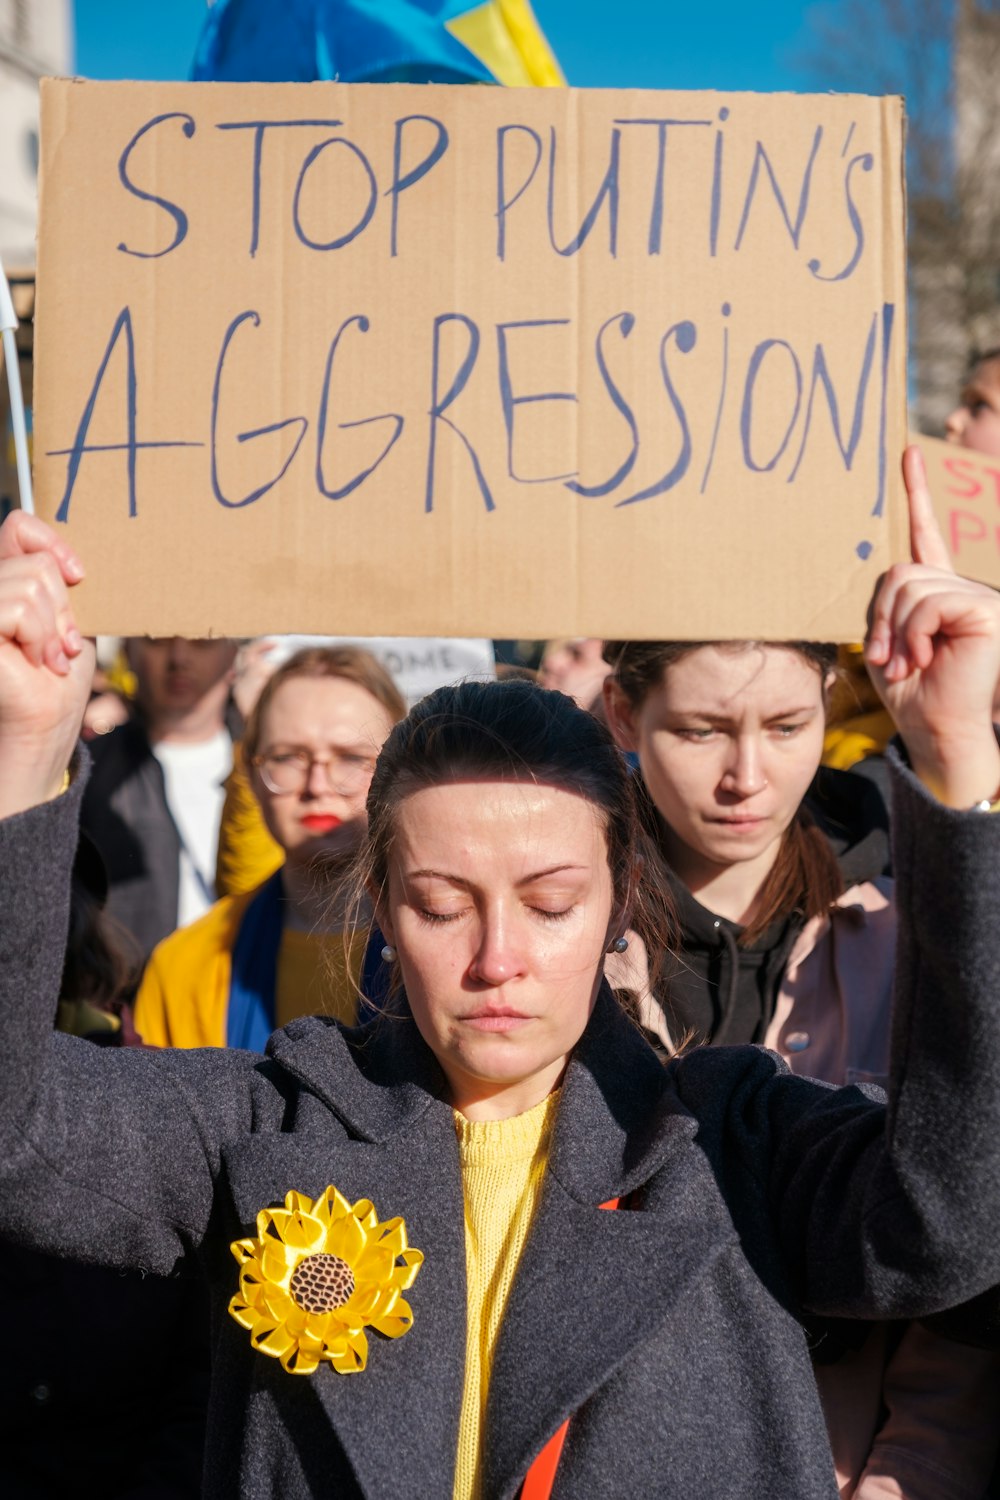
[397,1421]
[592,1284]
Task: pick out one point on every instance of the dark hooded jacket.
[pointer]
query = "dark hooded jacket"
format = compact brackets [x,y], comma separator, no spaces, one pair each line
[715,991]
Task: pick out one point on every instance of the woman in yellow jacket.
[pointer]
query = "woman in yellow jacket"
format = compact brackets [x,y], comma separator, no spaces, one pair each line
[257,960]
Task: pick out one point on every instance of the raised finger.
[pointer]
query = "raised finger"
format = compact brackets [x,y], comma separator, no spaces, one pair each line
[927,545]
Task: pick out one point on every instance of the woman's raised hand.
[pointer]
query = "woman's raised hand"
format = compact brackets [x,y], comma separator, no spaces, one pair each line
[933,653]
[46,667]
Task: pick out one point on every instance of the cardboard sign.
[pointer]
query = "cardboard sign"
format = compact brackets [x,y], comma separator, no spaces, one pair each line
[966,490]
[468,361]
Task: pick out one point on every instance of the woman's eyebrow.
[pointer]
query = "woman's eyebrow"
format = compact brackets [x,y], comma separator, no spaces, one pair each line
[792,713]
[428,874]
[717,718]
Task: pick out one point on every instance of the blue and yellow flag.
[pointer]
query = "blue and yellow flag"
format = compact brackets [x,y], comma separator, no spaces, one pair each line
[375,41]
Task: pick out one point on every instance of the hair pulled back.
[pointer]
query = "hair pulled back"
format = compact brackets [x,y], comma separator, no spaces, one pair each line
[805,877]
[517,731]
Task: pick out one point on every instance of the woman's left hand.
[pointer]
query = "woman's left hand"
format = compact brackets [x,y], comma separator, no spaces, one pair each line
[933,653]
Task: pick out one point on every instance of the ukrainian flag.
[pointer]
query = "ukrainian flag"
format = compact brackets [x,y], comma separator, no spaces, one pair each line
[369,41]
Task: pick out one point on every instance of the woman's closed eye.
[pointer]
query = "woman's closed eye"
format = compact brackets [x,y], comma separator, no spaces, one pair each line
[426,915]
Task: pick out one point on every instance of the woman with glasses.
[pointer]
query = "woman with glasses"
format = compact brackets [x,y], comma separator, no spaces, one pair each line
[258,960]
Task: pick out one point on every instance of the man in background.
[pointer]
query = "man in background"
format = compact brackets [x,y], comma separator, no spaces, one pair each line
[576,667]
[154,799]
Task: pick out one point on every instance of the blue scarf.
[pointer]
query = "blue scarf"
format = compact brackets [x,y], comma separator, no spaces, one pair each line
[254,981]
[250,1019]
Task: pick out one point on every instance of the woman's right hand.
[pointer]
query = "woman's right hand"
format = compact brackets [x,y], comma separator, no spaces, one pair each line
[46,667]
[933,653]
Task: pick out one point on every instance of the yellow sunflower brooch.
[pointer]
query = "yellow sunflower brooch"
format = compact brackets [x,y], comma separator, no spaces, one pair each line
[317,1275]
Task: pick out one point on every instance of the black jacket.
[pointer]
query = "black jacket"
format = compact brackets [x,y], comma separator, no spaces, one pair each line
[714,990]
[125,812]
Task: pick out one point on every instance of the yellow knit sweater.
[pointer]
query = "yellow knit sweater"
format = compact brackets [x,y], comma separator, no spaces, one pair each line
[503,1163]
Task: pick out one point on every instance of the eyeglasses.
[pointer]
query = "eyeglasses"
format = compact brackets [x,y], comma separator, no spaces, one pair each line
[291,770]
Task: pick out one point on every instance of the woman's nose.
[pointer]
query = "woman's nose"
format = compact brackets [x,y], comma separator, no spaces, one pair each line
[318,782]
[955,425]
[745,773]
[498,957]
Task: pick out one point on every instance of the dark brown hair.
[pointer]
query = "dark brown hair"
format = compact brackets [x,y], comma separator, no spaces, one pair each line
[805,877]
[518,731]
[101,964]
[351,663]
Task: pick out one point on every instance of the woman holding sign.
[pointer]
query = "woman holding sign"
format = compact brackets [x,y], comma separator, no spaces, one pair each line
[788,938]
[488,1245]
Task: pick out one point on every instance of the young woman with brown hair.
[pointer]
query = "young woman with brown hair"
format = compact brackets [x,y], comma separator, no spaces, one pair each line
[763,850]
[787,936]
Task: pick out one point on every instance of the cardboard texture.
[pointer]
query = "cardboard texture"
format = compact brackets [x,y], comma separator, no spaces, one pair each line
[470,361]
[966,490]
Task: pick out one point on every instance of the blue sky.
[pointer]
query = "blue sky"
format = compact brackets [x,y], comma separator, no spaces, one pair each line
[649,43]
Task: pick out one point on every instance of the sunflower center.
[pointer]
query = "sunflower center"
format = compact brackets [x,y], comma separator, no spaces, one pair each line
[321,1283]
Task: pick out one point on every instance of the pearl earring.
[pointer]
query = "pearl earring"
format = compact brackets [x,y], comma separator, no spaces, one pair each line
[620,944]
[388,954]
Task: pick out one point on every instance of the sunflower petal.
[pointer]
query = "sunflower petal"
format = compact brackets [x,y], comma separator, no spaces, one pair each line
[361,1304]
[244,1250]
[299,1231]
[395,1323]
[364,1212]
[405,1275]
[351,1357]
[278,1261]
[298,1203]
[244,1315]
[335,1205]
[277,1302]
[375,1268]
[277,1342]
[392,1236]
[298,1363]
[346,1239]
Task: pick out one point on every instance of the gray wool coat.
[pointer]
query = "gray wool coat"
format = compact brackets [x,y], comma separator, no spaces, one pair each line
[669,1330]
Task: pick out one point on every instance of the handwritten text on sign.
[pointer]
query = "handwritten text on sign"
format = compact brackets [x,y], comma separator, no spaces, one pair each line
[966,490]
[440,360]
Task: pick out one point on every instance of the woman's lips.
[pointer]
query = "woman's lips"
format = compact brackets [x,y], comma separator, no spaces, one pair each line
[496,1020]
[321,822]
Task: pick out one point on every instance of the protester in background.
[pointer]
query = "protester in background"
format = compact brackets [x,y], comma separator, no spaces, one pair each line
[763,849]
[645,1265]
[154,800]
[247,852]
[858,729]
[787,935]
[575,666]
[109,697]
[975,422]
[256,961]
[102,965]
